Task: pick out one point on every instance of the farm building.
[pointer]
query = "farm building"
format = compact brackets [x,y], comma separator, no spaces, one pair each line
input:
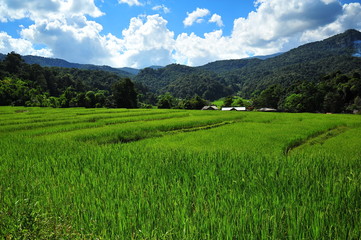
[267,110]
[209,108]
[233,108]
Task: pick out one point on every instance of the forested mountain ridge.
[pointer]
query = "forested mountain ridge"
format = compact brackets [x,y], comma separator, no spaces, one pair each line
[56,62]
[22,84]
[343,44]
[246,77]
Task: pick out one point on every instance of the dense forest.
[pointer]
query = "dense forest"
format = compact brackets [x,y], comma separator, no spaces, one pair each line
[335,93]
[32,85]
[247,77]
[322,76]
[23,84]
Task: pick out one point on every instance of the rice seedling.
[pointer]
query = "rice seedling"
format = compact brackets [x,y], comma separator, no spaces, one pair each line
[160,174]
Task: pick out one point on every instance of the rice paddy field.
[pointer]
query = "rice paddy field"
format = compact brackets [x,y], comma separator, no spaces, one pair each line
[176,174]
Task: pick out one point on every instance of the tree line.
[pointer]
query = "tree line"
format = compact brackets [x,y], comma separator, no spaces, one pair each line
[31,85]
[22,84]
[335,93]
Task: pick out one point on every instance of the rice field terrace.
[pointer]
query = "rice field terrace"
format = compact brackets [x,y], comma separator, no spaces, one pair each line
[177,174]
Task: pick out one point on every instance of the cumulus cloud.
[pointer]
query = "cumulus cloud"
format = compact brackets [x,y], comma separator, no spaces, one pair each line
[40,9]
[22,46]
[216,19]
[147,41]
[196,16]
[194,50]
[162,8]
[279,19]
[74,39]
[350,18]
[131,2]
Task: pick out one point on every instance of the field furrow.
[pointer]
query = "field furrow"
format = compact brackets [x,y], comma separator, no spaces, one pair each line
[97,119]
[317,138]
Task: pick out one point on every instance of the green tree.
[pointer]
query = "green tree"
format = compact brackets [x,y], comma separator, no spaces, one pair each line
[239,102]
[194,103]
[100,98]
[294,103]
[166,101]
[269,97]
[228,101]
[90,100]
[333,102]
[13,92]
[54,102]
[66,98]
[13,62]
[124,94]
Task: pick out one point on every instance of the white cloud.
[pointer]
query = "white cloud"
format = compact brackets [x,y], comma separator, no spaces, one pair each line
[195,16]
[350,18]
[40,9]
[21,46]
[194,50]
[75,39]
[131,2]
[278,19]
[216,19]
[80,7]
[162,8]
[147,41]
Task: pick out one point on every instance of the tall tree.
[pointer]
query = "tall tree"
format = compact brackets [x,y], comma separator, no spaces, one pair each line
[228,101]
[13,62]
[269,97]
[124,94]
[166,101]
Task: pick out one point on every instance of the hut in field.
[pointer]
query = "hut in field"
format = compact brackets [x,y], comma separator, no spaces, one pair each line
[210,108]
[267,110]
[234,109]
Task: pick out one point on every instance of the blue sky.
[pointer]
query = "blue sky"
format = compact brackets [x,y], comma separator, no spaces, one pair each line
[140,33]
[121,13]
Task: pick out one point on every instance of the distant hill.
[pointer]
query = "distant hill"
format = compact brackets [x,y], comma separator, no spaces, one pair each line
[56,62]
[157,79]
[309,62]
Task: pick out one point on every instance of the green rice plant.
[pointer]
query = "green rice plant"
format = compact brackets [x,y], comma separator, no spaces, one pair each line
[181,175]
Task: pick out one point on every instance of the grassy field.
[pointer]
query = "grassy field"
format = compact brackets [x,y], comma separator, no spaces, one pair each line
[176,174]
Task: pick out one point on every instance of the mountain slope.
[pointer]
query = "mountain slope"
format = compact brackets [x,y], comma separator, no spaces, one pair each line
[157,79]
[309,62]
[56,62]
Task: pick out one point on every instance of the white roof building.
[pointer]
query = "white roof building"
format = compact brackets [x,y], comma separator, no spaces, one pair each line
[234,109]
[209,108]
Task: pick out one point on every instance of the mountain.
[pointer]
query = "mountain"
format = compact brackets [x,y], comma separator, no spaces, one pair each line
[157,79]
[264,57]
[309,62]
[56,62]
